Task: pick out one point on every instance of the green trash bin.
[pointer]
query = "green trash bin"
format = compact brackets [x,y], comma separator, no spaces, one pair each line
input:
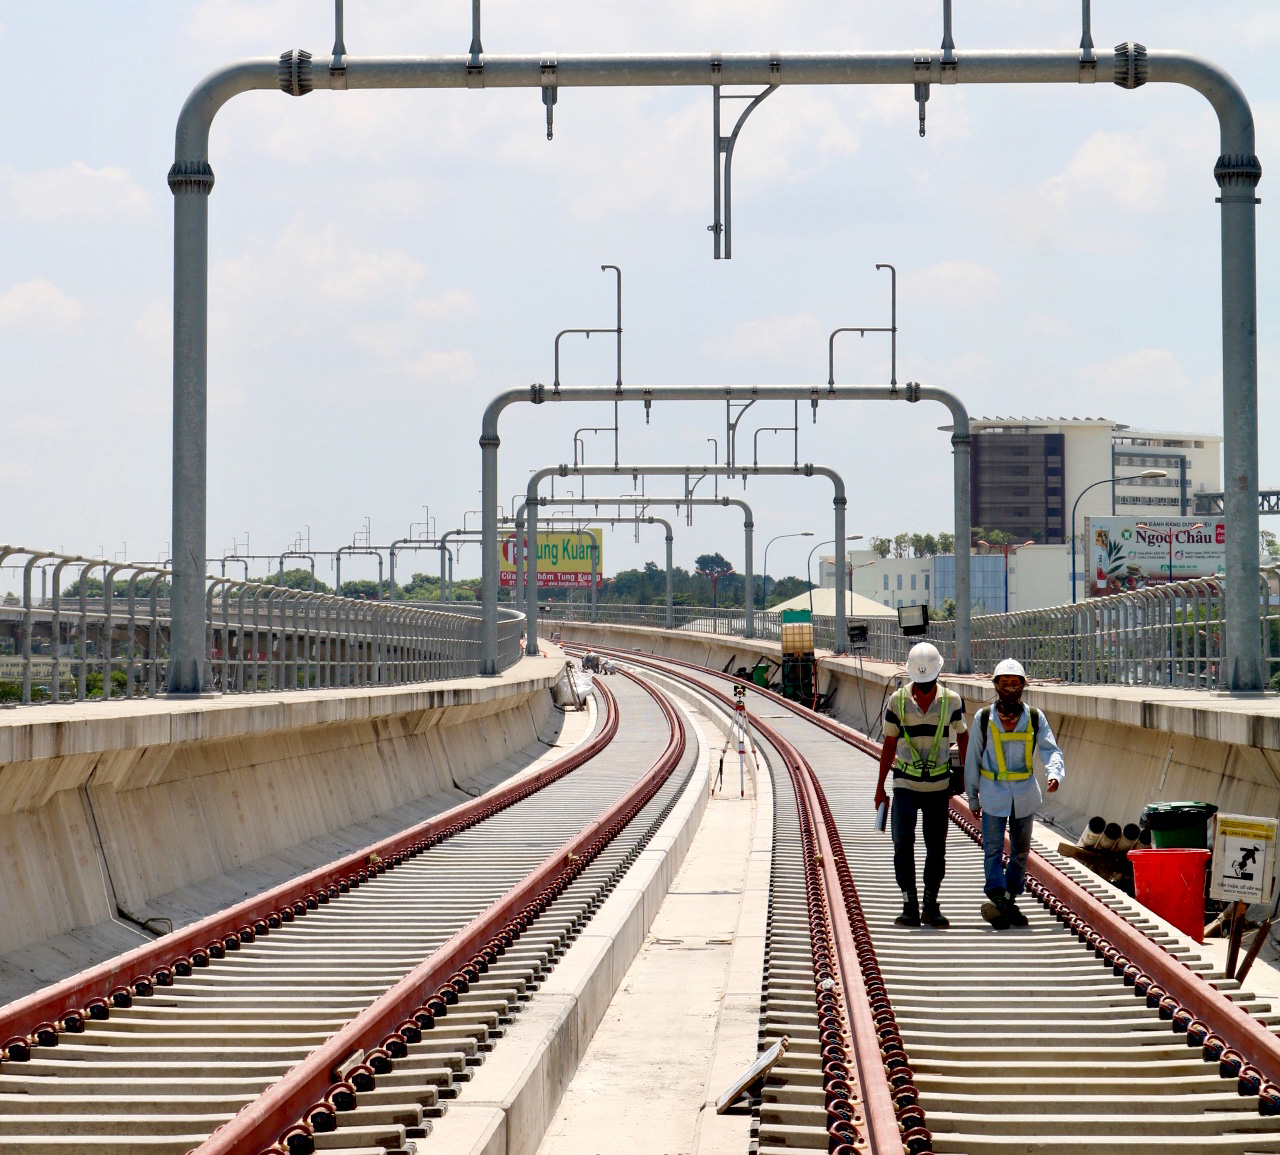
[760,675]
[1179,824]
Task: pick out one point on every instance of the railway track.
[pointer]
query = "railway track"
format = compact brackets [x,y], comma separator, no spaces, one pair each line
[357,1005]
[1027,1041]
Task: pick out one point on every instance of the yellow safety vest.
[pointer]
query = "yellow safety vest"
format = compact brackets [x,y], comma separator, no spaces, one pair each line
[1000,736]
[912,765]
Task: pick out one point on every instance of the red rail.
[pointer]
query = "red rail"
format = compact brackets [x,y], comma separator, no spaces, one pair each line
[37,1019]
[1243,1047]
[388,1024]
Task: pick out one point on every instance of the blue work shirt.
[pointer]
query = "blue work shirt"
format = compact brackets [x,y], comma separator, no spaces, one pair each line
[1004,798]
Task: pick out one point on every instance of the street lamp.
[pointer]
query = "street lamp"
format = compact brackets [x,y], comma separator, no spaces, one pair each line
[1104,481]
[1169,534]
[764,587]
[715,576]
[1004,549]
[808,577]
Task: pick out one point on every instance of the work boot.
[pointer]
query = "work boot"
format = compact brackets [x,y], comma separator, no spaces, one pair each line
[910,915]
[931,912]
[1012,913]
[995,909]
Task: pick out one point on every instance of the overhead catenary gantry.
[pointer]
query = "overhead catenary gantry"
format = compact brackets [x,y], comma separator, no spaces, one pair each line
[912,392]
[640,503]
[1237,173]
[839,502]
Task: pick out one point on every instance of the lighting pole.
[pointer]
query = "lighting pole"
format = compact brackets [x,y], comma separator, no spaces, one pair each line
[808,573]
[1103,481]
[808,577]
[715,577]
[1004,549]
[764,588]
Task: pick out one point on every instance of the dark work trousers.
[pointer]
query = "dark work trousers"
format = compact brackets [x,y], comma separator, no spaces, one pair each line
[932,808]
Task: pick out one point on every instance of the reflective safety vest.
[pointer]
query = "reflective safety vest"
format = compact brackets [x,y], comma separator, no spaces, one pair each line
[1001,738]
[909,762]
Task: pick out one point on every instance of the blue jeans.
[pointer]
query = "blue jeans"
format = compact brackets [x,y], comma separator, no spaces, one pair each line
[999,877]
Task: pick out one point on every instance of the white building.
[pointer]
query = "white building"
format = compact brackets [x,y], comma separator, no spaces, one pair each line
[1028,473]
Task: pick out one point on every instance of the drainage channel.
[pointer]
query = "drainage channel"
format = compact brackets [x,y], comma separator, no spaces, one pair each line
[164,1073]
[1022,1040]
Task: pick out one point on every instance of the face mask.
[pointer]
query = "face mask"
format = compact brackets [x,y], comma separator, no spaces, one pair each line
[1009,703]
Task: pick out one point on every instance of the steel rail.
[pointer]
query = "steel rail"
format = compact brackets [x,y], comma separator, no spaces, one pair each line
[880,1118]
[1243,1047]
[424,992]
[37,1020]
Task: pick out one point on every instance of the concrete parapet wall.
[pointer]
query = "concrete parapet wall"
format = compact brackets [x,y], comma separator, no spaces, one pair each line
[108,805]
[1125,746]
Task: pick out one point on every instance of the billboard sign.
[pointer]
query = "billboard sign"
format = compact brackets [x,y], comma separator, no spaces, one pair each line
[564,559]
[1131,553]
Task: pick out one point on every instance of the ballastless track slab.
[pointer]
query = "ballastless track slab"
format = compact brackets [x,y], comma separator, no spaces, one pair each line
[163,1074]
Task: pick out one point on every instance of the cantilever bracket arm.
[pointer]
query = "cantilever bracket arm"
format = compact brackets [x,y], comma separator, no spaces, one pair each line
[862,331]
[722,225]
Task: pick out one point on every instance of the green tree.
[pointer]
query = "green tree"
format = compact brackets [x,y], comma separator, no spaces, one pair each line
[881,546]
[421,588]
[713,563]
[946,543]
[902,545]
[297,579]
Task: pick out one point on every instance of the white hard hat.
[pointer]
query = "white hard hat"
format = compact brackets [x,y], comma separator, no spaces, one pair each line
[1010,666]
[924,663]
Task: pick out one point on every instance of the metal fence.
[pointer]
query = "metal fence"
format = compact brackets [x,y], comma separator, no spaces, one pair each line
[260,637]
[1168,635]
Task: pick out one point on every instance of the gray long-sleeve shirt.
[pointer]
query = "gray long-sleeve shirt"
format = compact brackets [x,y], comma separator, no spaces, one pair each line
[1017,797]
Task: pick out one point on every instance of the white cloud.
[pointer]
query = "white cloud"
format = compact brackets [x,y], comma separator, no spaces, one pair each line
[957,284]
[74,191]
[39,305]
[371,300]
[1113,179]
[442,367]
[1151,387]
[16,473]
[798,335]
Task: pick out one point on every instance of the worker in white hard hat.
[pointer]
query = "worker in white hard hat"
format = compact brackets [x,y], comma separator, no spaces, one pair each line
[999,778]
[918,724]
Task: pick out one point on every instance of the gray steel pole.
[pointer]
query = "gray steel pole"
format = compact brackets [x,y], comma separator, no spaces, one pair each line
[671,604]
[748,597]
[961,451]
[191,178]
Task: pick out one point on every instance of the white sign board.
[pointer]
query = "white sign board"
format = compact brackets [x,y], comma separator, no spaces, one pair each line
[1244,858]
[1129,553]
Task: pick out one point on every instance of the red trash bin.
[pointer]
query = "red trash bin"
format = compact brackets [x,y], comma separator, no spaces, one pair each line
[1170,882]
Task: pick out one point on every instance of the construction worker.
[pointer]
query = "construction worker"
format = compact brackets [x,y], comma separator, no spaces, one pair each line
[927,714]
[999,778]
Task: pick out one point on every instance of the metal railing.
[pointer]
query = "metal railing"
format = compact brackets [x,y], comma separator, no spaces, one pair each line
[260,637]
[1170,635]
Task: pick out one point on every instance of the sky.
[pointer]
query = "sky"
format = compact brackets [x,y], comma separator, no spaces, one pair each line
[382,264]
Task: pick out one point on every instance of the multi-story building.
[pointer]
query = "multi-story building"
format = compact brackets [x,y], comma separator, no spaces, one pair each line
[1027,472]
